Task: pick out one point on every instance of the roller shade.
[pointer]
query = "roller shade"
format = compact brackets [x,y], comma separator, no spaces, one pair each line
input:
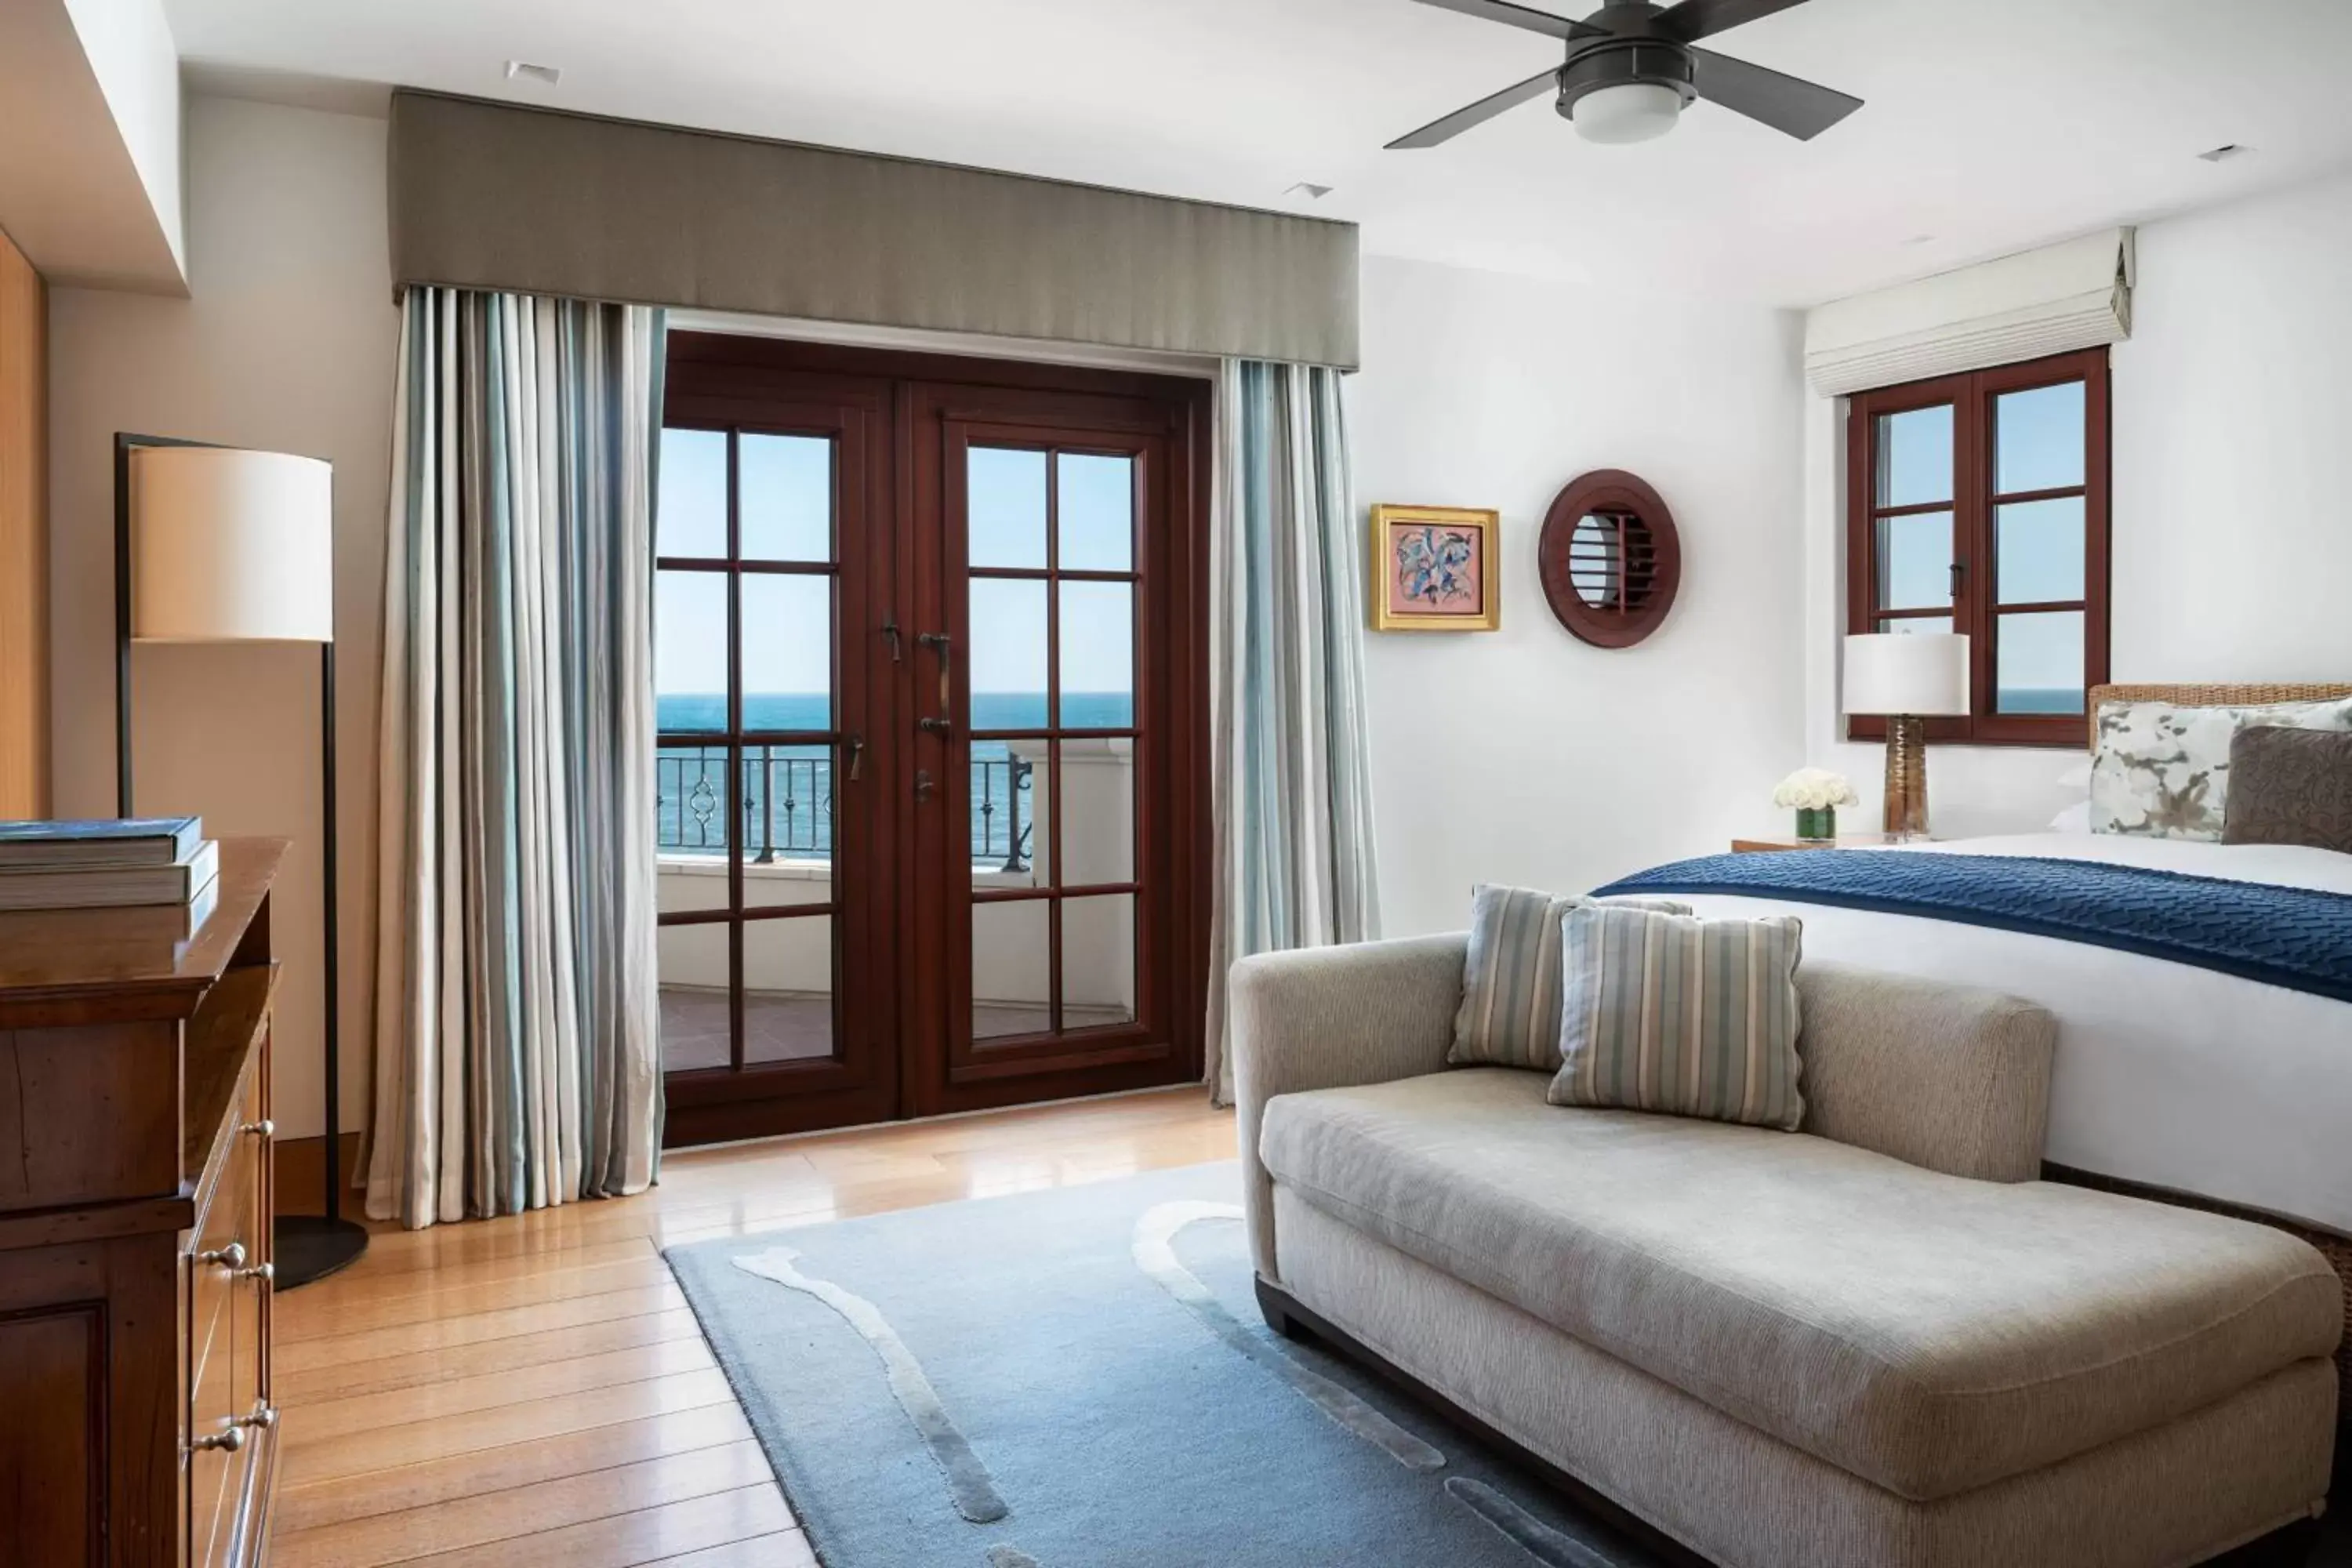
[2077,295]
[490,195]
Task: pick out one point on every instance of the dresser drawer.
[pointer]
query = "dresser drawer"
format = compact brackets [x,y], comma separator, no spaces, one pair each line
[229,1270]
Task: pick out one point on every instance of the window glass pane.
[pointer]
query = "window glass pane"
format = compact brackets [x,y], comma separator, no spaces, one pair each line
[1915,456]
[1915,561]
[787,819]
[1004,506]
[787,497]
[2041,551]
[1098,672]
[689,651]
[787,986]
[1918,625]
[690,508]
[1098,778]
[2038,442]
[691,965]
[1011,973]
[2038,663]
[1096,509]
[787,652]
[1098,962]
[1008,803]
[1008,654]
[690,820]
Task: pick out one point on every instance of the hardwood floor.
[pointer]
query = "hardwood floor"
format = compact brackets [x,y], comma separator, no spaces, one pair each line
[533,1390]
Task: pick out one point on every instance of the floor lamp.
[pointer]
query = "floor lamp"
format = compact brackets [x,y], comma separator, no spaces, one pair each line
[217,544]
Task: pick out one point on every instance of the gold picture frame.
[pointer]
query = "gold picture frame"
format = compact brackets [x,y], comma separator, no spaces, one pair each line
[1435,569]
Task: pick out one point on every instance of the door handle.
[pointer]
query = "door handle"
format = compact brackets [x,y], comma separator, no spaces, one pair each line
[856,757]
[937,726]
[943,645]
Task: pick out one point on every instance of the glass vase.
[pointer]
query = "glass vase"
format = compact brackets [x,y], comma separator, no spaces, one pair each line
[1817,826]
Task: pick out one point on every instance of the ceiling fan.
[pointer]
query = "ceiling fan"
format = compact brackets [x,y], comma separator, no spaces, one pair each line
[1632,69]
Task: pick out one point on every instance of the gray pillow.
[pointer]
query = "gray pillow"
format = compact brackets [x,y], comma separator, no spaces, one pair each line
[2291,786]
[1510,987]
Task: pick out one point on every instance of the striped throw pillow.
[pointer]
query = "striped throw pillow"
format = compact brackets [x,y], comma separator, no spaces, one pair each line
[1510,987]
[1686,1016]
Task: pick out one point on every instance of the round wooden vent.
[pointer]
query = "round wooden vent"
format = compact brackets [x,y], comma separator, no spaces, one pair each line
[1610,558]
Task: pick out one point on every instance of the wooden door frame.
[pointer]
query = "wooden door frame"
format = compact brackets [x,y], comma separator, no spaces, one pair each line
[727,378]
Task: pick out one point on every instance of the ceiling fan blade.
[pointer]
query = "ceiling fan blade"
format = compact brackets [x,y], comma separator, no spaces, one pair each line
[1803,108]
[1696,19]
[1478,113]
[1512,15]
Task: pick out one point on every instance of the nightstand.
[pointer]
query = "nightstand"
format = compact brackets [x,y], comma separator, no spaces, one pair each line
[1843,841]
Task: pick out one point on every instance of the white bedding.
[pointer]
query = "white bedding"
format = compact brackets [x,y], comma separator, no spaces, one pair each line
[2167,1074]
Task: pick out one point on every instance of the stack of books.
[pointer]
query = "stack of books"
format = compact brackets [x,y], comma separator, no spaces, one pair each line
[114,864]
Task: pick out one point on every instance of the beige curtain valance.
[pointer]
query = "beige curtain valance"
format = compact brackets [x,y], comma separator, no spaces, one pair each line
[490,195]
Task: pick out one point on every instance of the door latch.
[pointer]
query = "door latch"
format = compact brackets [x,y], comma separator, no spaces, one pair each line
[856,757]
[923,785]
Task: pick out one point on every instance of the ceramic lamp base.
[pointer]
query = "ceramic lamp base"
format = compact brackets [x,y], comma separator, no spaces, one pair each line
[1907,777]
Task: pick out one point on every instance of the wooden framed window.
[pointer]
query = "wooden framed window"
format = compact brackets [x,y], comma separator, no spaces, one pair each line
[1978,503]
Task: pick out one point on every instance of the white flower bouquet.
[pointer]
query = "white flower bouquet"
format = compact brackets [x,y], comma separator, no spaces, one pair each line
[1815,793]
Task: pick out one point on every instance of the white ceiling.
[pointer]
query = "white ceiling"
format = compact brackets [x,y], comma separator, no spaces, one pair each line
[1990,124]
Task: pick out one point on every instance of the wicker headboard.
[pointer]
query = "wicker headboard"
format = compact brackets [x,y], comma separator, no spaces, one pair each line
[2210,697]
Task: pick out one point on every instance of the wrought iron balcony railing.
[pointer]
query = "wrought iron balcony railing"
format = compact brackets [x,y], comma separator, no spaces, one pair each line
[787,803]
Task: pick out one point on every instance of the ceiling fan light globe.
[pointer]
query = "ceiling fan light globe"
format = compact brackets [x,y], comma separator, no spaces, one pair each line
[1629,111]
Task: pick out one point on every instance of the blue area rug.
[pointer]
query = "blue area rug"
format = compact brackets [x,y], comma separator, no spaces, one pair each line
[1079,1378]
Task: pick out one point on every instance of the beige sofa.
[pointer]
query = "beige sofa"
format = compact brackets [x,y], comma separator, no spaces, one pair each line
[1880,1343]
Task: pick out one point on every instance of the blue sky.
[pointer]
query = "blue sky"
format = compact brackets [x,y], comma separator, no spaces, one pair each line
[786,514]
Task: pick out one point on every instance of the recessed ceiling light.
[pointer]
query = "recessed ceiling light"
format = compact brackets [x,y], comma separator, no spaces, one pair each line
[1313,193]
[2225,152]
[525,71]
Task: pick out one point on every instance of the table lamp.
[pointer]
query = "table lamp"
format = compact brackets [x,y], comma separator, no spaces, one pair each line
[215,545]
[1908,678]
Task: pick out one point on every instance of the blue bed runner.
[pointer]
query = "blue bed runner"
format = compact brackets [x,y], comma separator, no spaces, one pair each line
[2292,937]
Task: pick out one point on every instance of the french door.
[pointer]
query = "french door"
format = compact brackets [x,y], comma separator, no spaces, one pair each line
[930,667]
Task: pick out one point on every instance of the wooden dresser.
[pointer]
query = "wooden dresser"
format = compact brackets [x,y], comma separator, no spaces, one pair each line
[136,1427]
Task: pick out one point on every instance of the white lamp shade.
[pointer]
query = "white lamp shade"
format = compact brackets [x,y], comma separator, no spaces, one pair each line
[231,546]
[1924,676]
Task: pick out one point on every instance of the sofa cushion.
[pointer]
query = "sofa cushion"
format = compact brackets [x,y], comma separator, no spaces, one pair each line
[1928,1332]
[1510,1015]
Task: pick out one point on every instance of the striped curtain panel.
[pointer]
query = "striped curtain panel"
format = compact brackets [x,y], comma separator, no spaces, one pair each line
[1291,792]
[518,1060]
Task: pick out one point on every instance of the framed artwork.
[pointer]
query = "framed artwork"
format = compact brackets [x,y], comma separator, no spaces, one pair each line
[1435,569]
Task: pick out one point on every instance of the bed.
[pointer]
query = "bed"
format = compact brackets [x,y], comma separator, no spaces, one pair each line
[2172,1081]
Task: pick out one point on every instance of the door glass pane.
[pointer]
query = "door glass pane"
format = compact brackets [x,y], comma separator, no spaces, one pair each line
[1915,456]
[1011,976]
[691,963]
[1098,673]
[1918,625]
[788,1014]
[787,652]
[1008,654]
[1096,509]
[2041,551]
[1097,960]
[690,819]
[1007,804]
[1915,561]
[2038,663]
[691,506]
[1004,506]
[2038,441]
[787,819]
[786,497]
[690,651]
[1097,801]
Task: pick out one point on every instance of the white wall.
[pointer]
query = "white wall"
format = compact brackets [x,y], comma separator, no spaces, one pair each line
[1523,755]
[129,43]
[2233,463]
[288,343]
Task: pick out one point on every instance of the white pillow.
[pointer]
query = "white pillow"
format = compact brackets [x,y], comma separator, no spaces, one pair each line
[2076,818]
[2076,777]
[2163,772]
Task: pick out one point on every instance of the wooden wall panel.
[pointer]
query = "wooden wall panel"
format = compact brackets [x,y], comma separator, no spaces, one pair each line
[23,538]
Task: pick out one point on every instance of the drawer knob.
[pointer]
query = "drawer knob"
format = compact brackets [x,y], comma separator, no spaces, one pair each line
[265,1272]
[263,1418]
[265,1128]
[227,1441]
[231,1258]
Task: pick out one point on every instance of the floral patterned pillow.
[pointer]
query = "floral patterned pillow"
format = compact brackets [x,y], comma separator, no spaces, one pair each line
[2163,772]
